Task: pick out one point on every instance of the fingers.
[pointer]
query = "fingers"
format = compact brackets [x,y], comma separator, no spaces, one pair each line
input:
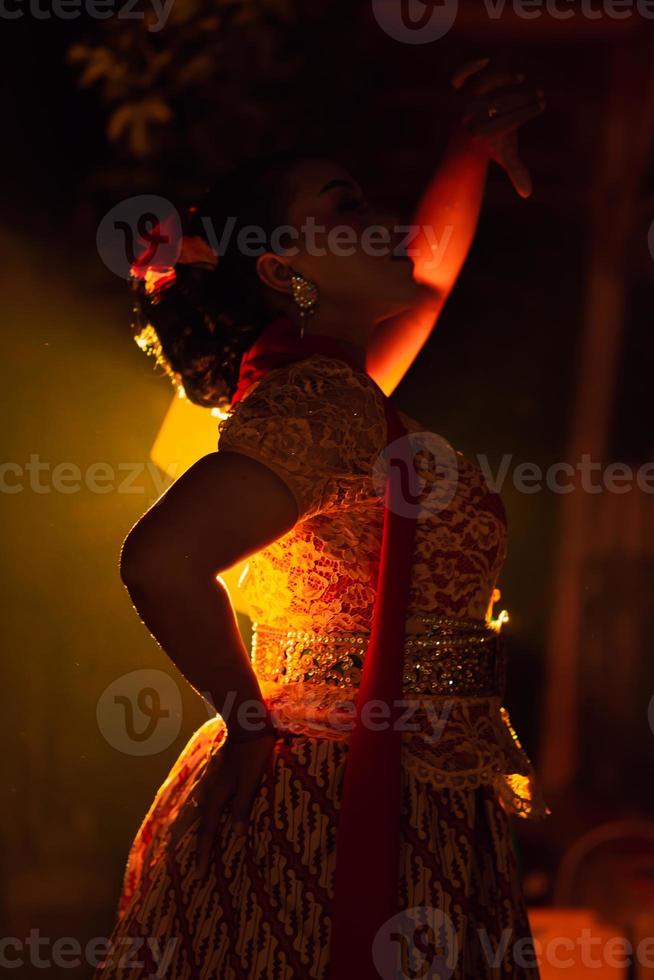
[502,115]
[187,816]
[234,773]
[209,820]
[479,80]
[493,81]
[249,783]
[495,101]
[242,805]
[511,161]
[189,812]
[462,74]
[200,797]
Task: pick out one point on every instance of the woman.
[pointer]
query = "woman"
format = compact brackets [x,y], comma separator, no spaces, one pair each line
[233,871]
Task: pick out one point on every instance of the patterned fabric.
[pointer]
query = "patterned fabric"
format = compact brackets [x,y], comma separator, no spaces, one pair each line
[320,425]
[263,910]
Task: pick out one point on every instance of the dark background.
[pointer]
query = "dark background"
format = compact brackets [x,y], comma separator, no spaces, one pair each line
[512,358]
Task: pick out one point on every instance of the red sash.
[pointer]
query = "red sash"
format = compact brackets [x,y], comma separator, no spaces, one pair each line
[368,836]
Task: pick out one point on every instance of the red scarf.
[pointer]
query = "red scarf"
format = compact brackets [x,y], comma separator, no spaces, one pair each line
[368,837]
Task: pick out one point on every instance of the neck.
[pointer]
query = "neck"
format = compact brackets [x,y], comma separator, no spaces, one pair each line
[352,336]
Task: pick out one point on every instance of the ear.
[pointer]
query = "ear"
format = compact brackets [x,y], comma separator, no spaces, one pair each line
[273,271]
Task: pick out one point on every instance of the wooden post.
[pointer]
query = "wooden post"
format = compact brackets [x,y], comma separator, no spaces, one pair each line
[624,147]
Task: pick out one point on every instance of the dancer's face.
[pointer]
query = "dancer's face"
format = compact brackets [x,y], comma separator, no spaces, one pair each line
[345,245]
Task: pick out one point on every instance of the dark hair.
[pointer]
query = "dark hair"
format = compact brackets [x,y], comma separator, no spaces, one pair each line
[199,327]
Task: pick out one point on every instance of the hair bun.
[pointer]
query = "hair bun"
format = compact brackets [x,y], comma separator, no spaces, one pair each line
[198,316]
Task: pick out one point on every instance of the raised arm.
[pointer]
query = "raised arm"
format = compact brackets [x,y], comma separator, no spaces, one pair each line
[493,107]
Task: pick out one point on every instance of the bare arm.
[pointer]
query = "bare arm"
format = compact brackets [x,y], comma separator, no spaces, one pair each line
[224,508]
[494,106]
[446,221]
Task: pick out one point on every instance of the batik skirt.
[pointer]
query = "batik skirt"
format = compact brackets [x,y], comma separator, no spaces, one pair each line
[262,911]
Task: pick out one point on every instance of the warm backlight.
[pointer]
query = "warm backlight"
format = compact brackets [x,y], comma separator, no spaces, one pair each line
[187,433]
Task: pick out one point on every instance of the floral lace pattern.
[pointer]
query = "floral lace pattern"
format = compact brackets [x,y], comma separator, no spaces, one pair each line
[320,425]
[454,742]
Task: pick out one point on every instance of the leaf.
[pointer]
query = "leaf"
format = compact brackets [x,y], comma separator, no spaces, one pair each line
[99,64]
[199,69]
[119,122]
[78,52]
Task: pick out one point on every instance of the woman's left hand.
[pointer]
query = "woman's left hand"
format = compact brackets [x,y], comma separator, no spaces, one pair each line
[494,105]
[231,778]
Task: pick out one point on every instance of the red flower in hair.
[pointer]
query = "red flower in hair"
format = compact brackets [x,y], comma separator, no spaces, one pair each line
[158,275]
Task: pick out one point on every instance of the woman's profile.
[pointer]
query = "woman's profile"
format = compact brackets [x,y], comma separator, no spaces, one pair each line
[235,872]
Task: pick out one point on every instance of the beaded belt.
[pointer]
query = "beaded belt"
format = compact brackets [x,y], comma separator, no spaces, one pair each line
[462,657]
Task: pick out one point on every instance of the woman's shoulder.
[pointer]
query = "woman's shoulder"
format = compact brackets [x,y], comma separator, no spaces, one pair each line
[318,386]
[318,369]
[313,421]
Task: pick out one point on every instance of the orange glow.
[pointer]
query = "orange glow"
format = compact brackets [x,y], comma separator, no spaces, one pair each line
[187,433]
[573,942]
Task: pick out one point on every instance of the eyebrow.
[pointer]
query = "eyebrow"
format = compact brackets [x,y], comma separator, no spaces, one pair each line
[337,183]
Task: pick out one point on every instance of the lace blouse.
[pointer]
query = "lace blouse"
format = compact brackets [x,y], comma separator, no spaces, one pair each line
[319,425]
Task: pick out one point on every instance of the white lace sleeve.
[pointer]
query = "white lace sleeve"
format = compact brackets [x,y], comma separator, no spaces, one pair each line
[316,423]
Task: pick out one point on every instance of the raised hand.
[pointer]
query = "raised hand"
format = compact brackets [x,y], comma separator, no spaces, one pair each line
[493,106]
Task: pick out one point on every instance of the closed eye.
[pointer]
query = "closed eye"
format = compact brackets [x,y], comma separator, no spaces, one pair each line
[353,204]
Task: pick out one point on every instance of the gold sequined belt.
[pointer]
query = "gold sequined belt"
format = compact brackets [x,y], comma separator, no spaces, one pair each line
[442,655]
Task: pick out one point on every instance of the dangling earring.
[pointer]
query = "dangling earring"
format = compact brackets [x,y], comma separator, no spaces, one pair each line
[305,294]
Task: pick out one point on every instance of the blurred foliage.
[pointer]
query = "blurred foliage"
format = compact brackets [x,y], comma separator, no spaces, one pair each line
[222,79]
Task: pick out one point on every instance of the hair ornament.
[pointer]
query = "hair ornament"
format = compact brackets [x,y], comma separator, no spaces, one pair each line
[156,276]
